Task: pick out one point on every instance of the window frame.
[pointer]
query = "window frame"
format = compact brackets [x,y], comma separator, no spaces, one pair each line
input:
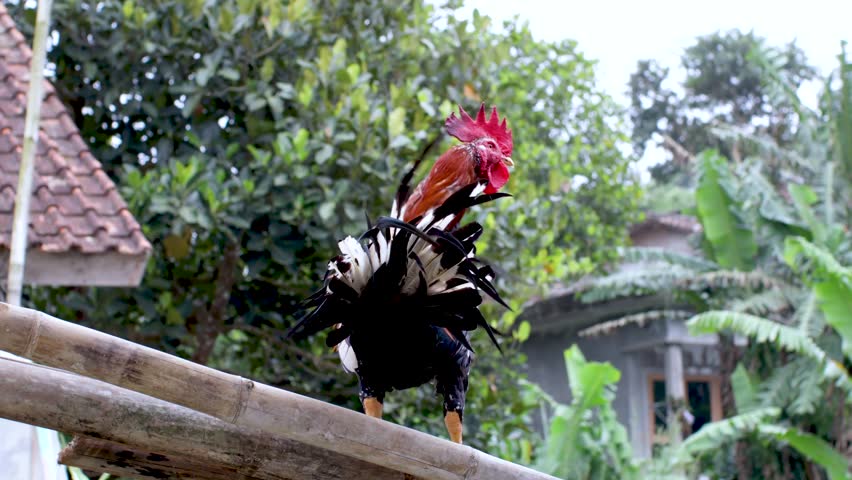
[715,382]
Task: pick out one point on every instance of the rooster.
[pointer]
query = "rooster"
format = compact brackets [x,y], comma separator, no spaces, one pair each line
[402,298]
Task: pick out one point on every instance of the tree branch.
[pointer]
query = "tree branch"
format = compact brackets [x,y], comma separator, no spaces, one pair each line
[680,155]
[211,322]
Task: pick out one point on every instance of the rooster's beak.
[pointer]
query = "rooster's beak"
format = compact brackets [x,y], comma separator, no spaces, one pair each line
[508,161]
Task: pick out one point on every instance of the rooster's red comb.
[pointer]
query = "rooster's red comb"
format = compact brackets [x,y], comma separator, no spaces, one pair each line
[467,129]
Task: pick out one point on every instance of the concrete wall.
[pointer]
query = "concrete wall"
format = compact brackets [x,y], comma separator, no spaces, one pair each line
[637,352]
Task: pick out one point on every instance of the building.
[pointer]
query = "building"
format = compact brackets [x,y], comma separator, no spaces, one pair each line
[80,234]
[646,352]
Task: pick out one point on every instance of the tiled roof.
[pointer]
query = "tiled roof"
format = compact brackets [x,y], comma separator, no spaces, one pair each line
[75,205]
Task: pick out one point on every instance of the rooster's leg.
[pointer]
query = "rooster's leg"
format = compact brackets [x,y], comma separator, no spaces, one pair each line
[453,421]
[452,384]
[372,407]
[371,395]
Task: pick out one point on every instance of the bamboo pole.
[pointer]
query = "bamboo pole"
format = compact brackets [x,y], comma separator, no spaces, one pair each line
[178,436]
[130,462]
[48,340]
[23,195]
[35,94]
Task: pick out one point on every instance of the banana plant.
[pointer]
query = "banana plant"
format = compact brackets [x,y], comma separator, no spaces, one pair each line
[585,440]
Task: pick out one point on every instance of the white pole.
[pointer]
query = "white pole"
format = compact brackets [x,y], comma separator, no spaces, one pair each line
[43,454]
[20,226]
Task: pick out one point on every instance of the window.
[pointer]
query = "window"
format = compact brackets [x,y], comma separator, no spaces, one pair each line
[703,397]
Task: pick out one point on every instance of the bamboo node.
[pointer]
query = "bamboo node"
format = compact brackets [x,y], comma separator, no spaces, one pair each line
[34,335]
[473,466]
[244,386]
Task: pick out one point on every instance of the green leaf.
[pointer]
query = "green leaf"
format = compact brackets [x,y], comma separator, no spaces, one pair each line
[803,198]
[296,9]
[523,332]
[127,9]
[566,453]
[306,94]
[588,379]
[226,20]
[248,185]
[814,448]
[831,283]
[267,70]
[396,122]
[191,103]
[77,473]
[732,242]
[326,211]
[820,452]
[300,143]
[324,154]
[354,71]
[745,394]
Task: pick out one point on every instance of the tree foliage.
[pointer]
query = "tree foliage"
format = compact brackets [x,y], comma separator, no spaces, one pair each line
[776,228]
[722,86]
[248,136]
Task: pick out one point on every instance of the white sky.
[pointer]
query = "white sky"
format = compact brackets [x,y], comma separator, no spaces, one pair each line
[619,33]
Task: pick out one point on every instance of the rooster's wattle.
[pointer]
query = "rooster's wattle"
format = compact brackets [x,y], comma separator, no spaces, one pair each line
[403,297]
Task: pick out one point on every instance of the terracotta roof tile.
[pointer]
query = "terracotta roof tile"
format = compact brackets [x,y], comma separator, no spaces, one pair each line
[75,205]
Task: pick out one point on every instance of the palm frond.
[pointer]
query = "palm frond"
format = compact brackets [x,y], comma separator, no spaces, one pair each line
[664,255]
[793,387]
[831,283]
[798,249]
[763,195]
[772,300]
[781,336]
[764,144]
[722,279]
[634,282]
[672,278]
[808,318]
[640,319]
[713,436]
[758,329]
[826,188]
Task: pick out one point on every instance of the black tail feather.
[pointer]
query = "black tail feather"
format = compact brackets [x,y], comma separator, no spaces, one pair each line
[480,320]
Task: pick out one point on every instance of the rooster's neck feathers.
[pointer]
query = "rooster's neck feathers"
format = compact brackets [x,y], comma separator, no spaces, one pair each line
[453,170]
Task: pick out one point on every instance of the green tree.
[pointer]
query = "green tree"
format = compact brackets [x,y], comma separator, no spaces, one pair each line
[248,136]
[777,271]
[722,87]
